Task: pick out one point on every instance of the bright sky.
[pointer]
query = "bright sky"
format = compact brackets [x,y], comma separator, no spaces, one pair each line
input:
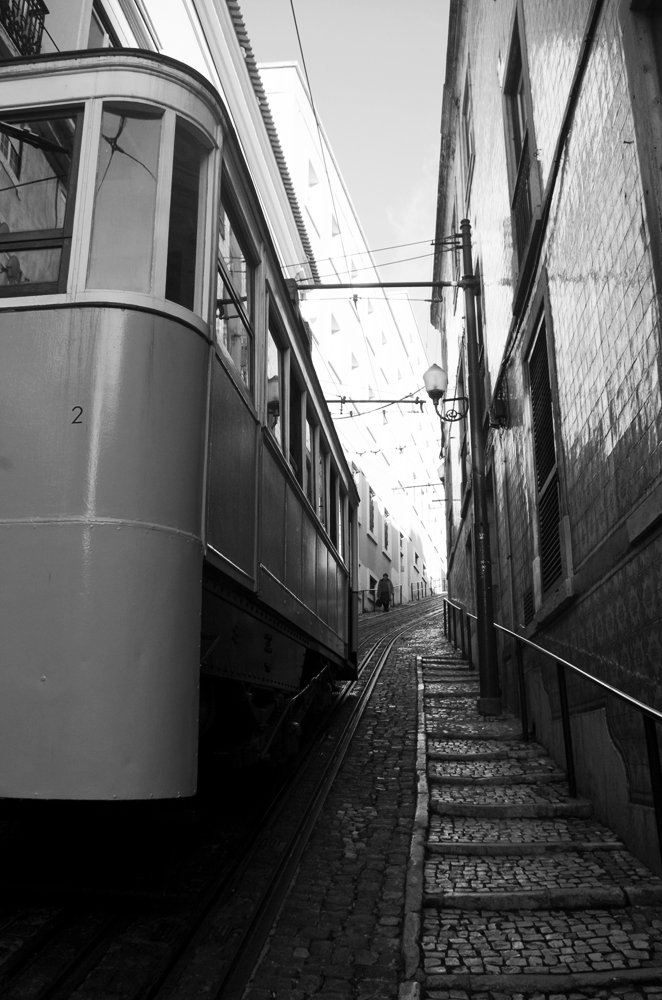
[376,70]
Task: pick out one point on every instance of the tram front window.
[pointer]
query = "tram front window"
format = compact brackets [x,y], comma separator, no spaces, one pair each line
[121,250]
[184,216]
[36,157]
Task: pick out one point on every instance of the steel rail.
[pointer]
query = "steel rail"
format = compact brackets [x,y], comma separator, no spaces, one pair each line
[78,961]
[239,970]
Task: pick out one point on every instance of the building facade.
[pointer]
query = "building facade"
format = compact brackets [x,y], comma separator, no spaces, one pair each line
[550,125]
[366,344]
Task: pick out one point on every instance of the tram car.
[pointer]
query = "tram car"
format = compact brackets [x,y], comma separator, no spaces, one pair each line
[176,513]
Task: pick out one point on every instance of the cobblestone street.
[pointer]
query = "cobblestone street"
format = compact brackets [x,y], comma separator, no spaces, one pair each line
[339,934]
[481,880]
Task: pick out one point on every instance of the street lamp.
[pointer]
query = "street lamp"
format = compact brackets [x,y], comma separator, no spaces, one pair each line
[489,702]
[435,381]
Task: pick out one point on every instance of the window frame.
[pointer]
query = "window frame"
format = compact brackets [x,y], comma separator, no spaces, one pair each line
[47,239]
[540,316]
[524,180]
[467,137]
[228,203]
[275,334]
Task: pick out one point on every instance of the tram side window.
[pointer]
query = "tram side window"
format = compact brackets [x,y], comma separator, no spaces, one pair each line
[234,297]
[310,446]
[321,483]
[295,429]
[334,498]
[122,245]
[185,200]
[341,525]
[37,177]
[274,388]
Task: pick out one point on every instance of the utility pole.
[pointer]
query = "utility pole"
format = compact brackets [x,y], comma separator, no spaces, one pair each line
[489,702]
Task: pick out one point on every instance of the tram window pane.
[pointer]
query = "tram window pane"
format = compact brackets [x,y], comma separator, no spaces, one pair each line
[35,164]
[233,333]
[33,266]
[122,243]
[274,388]
[321,486]
[235,261]
[295,428]
[334,497]
[309,461]
[188,158]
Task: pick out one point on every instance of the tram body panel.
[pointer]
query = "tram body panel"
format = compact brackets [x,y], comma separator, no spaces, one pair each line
[232,489]
[101,627]
[102,415]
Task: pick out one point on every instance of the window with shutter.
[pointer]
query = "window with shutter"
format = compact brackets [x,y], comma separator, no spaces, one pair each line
[546,469]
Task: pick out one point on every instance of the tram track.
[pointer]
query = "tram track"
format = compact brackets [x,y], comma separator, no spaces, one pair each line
[208,940]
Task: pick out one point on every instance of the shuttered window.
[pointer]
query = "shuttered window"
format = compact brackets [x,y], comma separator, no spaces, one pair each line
[546,471]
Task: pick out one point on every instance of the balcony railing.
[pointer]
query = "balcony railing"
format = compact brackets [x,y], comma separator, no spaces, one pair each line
[23,20]
[521,204]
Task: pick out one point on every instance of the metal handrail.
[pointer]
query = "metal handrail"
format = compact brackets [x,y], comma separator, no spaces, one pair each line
[652,713]
[650,716]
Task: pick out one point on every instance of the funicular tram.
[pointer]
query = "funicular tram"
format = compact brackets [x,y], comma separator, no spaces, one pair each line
[175,505]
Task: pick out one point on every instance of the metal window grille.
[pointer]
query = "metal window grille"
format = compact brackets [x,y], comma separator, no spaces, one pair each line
[386,527]
[371,510]
[547,484]
[521,204]
[23,21]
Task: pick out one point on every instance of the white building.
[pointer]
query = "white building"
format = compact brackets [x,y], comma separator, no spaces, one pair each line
[366,345]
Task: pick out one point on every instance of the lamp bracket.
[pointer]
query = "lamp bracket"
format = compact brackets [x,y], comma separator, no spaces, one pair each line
[454,414]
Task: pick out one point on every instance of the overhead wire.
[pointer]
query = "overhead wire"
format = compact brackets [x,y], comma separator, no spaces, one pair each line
[373,267]
[319,130]
[359,253]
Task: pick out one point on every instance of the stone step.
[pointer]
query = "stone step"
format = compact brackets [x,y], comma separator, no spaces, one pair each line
[541,986]
[567,880]
[545,950]
[495,772]
[520,778]
[522,847]
[502,836]
[507,801]
[447,691]
[475,750]
[470,731]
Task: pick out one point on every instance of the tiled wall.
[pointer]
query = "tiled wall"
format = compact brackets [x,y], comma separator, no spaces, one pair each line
[606,331]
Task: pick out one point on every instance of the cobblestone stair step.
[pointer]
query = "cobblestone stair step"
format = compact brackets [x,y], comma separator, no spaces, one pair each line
[506,835]
[568,880]
[468,732]
[473,750]
[522,804]
[522,847]
[546,950]
[454,691]
[534,778]
[523,892]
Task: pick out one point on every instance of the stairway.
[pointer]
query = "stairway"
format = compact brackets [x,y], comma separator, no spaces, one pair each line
[524,893]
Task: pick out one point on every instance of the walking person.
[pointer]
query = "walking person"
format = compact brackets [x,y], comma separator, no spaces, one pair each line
[385,591]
